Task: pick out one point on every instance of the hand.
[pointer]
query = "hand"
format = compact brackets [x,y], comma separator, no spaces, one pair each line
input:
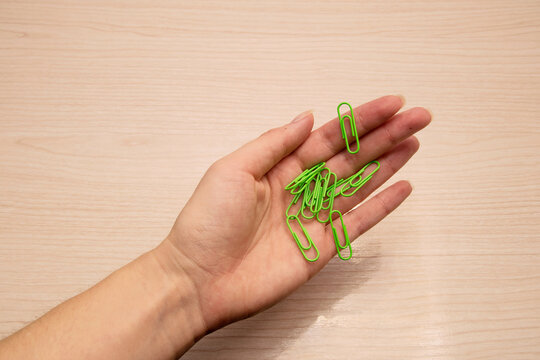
[231,237]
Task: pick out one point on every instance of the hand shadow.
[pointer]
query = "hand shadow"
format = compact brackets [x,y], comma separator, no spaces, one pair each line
[267,334]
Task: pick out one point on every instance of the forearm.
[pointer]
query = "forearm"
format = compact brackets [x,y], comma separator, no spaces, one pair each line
[141,311]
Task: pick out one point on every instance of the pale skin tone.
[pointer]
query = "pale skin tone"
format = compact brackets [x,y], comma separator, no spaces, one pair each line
[229,255]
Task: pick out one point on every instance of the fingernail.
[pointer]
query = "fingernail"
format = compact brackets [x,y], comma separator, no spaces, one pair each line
[430,113]
[301,116]
[403,101]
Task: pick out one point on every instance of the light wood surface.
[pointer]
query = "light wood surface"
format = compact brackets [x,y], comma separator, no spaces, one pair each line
[111,111]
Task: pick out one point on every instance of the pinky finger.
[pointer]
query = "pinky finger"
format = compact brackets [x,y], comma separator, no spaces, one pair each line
[364,217]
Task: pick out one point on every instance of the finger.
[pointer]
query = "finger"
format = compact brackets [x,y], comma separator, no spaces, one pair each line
[379,141]
[260,155]
[327,140]
[390,162]
[374,210]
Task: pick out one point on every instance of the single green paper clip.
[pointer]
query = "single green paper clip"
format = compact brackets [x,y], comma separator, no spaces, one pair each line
[356,181]
[293,202]
[352,123]
[311,244]
[340,247]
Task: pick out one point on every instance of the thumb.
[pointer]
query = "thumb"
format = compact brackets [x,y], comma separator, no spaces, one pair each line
[261,154]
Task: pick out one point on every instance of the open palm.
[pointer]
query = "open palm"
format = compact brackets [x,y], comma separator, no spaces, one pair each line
[233,233]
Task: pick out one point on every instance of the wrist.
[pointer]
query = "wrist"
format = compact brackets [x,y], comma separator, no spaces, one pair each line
[180,311]
[216,306]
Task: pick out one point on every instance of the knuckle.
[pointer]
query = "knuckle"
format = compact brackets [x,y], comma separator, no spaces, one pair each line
[390,138]
[360,122]
[384,205]
[392,166]
[351,160]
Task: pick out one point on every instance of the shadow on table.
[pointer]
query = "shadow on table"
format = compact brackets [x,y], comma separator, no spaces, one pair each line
[269,333]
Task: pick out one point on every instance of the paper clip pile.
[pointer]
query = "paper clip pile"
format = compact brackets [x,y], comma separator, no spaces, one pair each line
[315,190]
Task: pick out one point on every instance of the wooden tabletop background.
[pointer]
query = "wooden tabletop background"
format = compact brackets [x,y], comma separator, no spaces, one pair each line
[110,112]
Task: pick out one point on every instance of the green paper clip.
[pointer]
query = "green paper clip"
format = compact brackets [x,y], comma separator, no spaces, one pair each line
[330,198]
[307,200]
[293,202]
[315,194]
[361,181]
[352,123]
[338,184]
[305,205]
[302,248]
[339,247]
[305,177]
[357,184]
[319,193]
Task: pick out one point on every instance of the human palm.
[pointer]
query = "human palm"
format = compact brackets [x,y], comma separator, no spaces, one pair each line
[233,229]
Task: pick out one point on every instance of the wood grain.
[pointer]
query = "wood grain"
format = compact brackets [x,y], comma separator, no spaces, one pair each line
[110,111]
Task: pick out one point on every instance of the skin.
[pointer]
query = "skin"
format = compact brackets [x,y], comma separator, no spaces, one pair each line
[229,254]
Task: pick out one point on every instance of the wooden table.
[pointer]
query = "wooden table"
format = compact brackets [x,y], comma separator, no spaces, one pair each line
[111,111]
